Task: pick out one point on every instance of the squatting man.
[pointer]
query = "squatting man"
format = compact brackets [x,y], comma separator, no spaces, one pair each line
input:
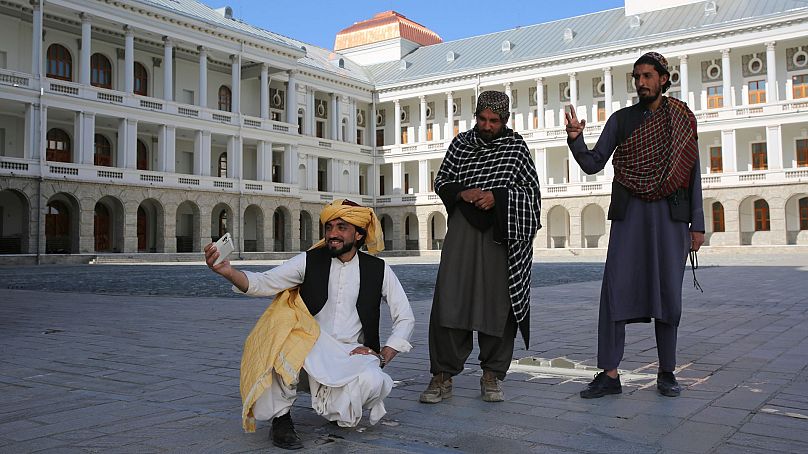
[324,321]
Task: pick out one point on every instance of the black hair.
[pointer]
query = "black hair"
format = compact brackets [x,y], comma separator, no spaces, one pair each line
[361,242]
[646,60]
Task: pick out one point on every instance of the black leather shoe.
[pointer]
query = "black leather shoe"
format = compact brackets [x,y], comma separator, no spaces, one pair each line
[601,386]
[667,385]
[283,433]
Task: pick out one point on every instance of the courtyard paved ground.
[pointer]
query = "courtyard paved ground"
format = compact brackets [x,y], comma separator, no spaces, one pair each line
[140,359]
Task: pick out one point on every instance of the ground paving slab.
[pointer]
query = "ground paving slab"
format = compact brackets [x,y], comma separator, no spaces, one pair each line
[141,359]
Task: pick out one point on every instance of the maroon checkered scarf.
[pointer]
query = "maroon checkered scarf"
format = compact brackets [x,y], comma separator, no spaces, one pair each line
[658,156]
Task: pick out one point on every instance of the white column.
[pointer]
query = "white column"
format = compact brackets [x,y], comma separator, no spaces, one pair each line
[166,138]
[129,60]
[29,141]
[728,159]
[203,77]
[398,180]
[264,161]
[128,153]
[607,82]
[235,86]
[36,48]
[772,94]
[540,102]
[334,116]
[233,157]
[78,139]
[371,120]
[168,69]
[509,93]
[290,164]
[541,165]
[86,49]
[422,115]
[423,175]
[573,92]
[202,150]
[352,121]
[264,81]
[310,124]
[397,126]
[774,147]
[449,135]
[683,80]
[87,139]
[311,172]
[726,76]
[291,98]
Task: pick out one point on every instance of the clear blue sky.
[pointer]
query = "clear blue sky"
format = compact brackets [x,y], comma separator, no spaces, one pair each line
[318,21]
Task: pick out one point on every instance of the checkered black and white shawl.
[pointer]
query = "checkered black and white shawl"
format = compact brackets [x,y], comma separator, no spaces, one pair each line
[505,163]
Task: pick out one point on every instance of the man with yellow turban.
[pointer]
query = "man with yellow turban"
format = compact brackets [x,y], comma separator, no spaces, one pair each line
[325,320]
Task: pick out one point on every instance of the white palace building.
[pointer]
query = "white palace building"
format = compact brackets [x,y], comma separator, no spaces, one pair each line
[154,126]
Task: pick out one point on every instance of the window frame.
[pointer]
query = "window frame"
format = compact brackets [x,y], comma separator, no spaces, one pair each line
[62,62]
[759,155]
[762,218]
[100,69]
[225,99]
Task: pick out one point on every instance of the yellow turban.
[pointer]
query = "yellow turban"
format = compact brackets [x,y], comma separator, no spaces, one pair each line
[359,216]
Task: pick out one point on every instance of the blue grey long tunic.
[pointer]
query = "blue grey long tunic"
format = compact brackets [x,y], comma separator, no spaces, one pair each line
[645,262]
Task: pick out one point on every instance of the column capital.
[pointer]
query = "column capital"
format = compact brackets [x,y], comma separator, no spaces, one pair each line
[422,98]
[507,85]
[36,4]
[128,30]
[264,66]
[131,121]
[167,41]
[234,58]
[572,75]
[539,79]
[292,72]
[770,45]
[725,53]
[397,101]
[85,18]
[449,94]
[607,70]
[683,59]
[202,49]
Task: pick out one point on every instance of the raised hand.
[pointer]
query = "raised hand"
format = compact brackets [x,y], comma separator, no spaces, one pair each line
[574,127]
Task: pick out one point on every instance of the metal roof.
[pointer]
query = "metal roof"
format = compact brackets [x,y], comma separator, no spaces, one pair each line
[591,31]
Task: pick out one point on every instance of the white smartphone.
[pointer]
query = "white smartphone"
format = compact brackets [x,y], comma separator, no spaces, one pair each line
[225,247]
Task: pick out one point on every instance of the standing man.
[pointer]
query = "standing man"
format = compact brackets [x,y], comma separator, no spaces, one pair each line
[342,288]
[657,218]
[489,186]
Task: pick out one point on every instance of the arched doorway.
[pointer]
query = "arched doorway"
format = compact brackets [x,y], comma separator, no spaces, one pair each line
[221,221]
[279,219]
[61,225]
[14,222]
[187,227]
[411,233]
[593,226]
[306,240]
[558,227]
[253,229]
[150,232]
[108,225]
[387,230]
[437,230]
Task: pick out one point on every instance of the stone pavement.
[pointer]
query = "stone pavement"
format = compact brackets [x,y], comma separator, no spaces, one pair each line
[140,373]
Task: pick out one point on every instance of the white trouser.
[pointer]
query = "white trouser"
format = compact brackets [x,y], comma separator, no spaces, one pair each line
[341,385]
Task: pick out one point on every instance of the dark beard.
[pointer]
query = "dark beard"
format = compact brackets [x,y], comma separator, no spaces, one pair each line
[337,252]
[649,98]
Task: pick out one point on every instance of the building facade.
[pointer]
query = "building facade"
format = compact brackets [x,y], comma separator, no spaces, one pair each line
[154,127]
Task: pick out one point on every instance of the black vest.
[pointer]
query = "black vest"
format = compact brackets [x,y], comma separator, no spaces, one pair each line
[314,290]
[629,119]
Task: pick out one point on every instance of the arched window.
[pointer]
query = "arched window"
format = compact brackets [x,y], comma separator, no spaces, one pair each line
[142,156]
[762,223]
[58,149]
[100,71]
[223,165]
[141,80]
[804,213]
[225,98]
[718,217]
[60,63]
[103,151]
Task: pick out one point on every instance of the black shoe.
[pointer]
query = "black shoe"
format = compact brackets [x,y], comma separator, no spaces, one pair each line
[601,386]
[667,385]
[283,433]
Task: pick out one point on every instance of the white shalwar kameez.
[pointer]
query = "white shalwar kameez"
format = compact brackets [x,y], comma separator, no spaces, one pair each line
[341,384]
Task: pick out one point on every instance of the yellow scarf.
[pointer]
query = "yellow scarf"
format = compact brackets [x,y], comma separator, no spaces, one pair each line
[359,216]
[280,341]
